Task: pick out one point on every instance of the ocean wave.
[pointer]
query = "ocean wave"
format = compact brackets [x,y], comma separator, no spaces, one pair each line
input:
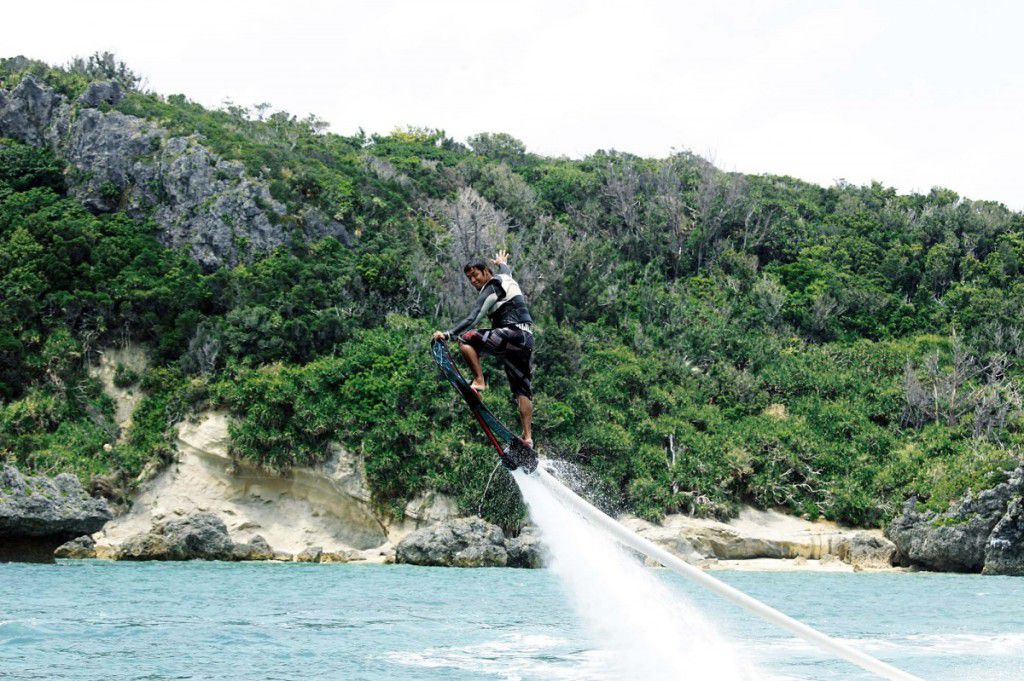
[17,632]
[513,658]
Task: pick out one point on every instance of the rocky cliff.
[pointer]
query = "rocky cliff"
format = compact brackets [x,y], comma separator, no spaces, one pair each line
[118,162]
[38,513]
[321,510]
[983,533]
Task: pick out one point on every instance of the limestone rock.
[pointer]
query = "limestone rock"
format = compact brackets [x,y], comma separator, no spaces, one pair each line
[33,113]
[256,548]
[202,202]
[526,550]
[310,555]
[431,507]
[147,546]
[38,506]
[105,92]
[327,505]
[965,537]
[866,550]
[464,542]
[1004,551]
[82,547]
[202,535]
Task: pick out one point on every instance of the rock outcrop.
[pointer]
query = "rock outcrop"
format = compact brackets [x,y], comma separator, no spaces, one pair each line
[256,548]
[464,542]
[470,542]
[983,533]
[866,550]
[201,536]
[1004,551]
[38,513]
[121,162]
[326,507]
[82,547]
[759,535]
[526,550]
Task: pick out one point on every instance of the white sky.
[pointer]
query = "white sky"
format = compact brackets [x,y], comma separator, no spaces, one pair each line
[913,94]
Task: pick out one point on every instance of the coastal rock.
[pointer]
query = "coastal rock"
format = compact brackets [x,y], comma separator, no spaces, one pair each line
[866,550]
[201,201]
[310,555]
[38,506]
[464,542]
[199,536]
[327,505]
[975,531]
[146,546]
[336,556]
[1004,551]
[753,535]
[256,548]
[526,550]
[82,547]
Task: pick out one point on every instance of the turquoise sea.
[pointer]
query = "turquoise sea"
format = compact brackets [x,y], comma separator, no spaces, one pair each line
[198,620]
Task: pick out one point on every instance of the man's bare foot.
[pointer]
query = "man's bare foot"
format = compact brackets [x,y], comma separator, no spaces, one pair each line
[478,386]
[528,441]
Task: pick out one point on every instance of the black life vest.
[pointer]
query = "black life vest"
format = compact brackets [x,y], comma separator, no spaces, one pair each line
[510,309]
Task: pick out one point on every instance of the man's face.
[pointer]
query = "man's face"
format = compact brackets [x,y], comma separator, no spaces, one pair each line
[478,277]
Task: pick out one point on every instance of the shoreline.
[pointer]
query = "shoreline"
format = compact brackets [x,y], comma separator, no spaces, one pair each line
[324,514]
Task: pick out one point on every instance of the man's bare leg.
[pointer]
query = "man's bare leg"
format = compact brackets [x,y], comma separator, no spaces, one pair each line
[526,416]
[473,360]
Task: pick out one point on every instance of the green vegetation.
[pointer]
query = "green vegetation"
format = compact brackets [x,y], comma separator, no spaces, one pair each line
[704,338]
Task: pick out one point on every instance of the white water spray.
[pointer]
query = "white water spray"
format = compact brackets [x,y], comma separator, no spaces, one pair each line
[650,631]
[562,517]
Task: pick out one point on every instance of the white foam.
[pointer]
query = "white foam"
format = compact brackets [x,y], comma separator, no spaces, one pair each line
[513,658]
[651,631]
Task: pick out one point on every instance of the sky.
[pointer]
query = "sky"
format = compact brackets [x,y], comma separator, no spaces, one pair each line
[911,94]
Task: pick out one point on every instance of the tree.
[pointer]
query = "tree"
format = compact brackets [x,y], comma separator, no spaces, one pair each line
[498,146]
[106,66]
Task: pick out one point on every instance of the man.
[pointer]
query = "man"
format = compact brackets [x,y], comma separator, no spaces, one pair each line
[510,337]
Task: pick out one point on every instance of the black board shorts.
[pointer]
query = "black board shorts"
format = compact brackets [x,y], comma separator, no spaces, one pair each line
[513,347]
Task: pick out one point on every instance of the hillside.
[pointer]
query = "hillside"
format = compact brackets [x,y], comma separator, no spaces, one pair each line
[704,338]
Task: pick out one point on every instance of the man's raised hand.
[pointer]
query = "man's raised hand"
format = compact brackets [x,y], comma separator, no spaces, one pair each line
[501,257]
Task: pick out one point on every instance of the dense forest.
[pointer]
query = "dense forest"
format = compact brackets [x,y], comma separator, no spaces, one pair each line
[704,338]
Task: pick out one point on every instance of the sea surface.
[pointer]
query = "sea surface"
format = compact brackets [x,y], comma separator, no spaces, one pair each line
[209,620]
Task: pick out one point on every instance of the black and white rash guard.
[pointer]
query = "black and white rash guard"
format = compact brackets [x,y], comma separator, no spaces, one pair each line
[502,300]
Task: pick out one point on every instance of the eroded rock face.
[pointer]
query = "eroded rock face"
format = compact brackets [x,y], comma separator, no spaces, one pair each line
[82,547]
[1004,552]
[866,550]
[977,534]
[200,536]
[757,535]
[464,542]
[327,506]
[39,506]
[97,94]
[116,161]
[526,550]
[256,548]
[33,113]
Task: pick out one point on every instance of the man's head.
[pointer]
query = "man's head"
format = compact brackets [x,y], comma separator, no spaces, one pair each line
[478,273]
